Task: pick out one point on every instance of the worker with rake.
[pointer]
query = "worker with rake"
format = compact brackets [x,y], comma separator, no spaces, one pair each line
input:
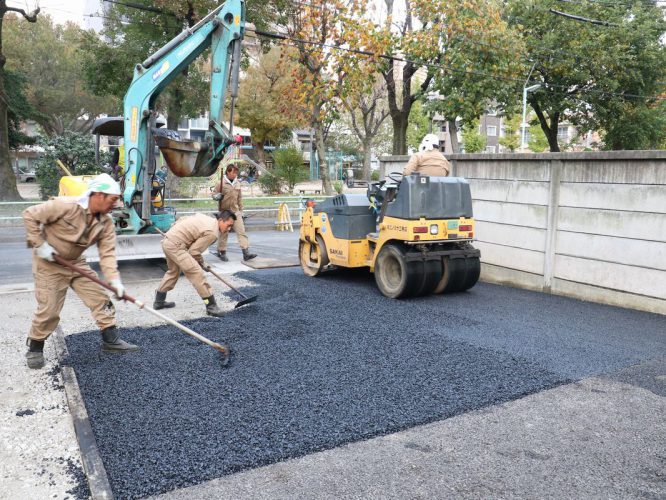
[67,226]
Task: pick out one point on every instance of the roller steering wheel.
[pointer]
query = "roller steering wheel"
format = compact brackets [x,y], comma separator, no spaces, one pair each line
[395,177]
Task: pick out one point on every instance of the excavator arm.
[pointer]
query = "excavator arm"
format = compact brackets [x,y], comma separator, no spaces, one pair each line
[222,30]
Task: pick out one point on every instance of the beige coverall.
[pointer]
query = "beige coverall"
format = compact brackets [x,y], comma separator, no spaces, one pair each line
[69,227]
[183,246]
[430,163]
[231,200]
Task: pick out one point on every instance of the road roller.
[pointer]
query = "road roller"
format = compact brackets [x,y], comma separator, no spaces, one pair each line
[413,233]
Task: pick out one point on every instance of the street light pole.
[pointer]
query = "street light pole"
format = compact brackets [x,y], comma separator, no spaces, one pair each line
[523,144]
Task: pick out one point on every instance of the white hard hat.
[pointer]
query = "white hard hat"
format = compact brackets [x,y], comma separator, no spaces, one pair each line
[104,183]
[429,142]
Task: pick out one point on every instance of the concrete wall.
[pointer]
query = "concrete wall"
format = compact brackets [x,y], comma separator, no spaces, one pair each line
[585,225]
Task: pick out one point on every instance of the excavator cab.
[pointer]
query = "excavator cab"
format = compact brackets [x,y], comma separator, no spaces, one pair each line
[413,233]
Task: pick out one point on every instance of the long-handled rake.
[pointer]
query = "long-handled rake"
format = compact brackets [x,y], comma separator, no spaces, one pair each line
[224,350]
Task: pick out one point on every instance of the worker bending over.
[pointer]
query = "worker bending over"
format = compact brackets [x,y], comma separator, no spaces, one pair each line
[429,161]
[228,195]
[183,245]
[67,226]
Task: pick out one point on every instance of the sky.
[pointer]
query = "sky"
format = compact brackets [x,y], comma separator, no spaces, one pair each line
[60,11]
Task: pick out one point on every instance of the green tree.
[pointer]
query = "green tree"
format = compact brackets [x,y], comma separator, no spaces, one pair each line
[48,56]
[511,138]
[289,165]
[479,60]
[8,189]
[473,141]
[20,110]
[419,126]
[74,149]
[596,76]
[537,141]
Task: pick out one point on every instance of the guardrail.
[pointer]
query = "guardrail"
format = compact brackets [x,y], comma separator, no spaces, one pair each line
[295,204]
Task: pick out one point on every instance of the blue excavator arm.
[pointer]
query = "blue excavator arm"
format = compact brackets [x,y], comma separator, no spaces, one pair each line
[221,30]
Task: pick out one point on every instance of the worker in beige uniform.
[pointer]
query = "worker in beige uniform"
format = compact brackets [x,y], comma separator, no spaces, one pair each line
[183,245]
[67,226]
[429,161]
[228,195]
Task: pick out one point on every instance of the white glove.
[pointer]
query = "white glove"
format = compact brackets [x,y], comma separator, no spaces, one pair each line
[218,196]
[45,251]
[118,287]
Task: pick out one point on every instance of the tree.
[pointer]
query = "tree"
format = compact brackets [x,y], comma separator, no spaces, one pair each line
[367,112]
[595,76]
[265,106]
[419,125]
[511,138]
[537,141]
[473,141]
[8,189]
[20,110]
[479,61]
[324,75]
[74,149]
[289,166]
[49,57]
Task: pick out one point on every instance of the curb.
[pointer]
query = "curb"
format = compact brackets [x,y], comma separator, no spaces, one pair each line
[93,466]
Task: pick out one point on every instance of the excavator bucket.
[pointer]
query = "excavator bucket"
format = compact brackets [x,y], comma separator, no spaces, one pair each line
[186,158]
[132,247]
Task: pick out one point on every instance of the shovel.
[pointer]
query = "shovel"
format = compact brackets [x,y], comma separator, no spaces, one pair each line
[246,299]
[224,350]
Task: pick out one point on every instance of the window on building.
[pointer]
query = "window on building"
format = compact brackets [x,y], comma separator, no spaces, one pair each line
[563,133]
[184,123]
[442,145]
[490,149]
[491,130]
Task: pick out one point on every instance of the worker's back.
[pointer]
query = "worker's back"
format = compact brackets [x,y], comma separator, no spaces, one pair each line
[428,163]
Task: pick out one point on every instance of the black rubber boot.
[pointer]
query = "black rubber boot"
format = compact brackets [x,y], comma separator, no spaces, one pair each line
[111,341]
[211,307]
[35,354]
[222,255]
[247,255]
[161,303]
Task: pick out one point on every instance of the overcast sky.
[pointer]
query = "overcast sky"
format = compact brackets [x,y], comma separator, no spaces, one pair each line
[60,11]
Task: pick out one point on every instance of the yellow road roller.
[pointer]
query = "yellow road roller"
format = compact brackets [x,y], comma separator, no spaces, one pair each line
[414,234]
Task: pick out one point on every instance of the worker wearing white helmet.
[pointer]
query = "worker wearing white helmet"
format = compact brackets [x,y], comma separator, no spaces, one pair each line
[429,160]
[67,226]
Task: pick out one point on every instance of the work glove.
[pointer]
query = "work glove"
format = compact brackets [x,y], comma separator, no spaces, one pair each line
[218,196]
[45,251]
[205,267]
[118,287]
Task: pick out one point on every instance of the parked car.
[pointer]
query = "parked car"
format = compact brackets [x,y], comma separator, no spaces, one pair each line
[26,176]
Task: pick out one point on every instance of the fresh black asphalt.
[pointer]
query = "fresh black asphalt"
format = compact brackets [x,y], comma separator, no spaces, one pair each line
[321,362]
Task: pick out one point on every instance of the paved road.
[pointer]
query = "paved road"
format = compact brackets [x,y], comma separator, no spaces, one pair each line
[16,258]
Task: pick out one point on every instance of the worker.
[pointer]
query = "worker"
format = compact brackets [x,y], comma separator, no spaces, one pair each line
[429,161]
[183,245]
[67,226]
[118,162]
[228,194]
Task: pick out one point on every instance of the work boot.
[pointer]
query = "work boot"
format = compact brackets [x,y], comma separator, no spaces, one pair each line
[222,255]
[35,354]
[111,341]
[160,301]
[247,255]
[211,307]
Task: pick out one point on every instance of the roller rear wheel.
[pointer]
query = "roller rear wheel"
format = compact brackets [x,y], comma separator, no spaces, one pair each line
[458,274]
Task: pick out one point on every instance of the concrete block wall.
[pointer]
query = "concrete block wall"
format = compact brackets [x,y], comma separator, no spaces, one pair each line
[585,225]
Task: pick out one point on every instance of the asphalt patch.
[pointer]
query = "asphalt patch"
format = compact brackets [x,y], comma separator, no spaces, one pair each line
[317,363]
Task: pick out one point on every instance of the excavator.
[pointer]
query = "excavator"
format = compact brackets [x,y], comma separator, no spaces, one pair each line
[414,233]
[144,210]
